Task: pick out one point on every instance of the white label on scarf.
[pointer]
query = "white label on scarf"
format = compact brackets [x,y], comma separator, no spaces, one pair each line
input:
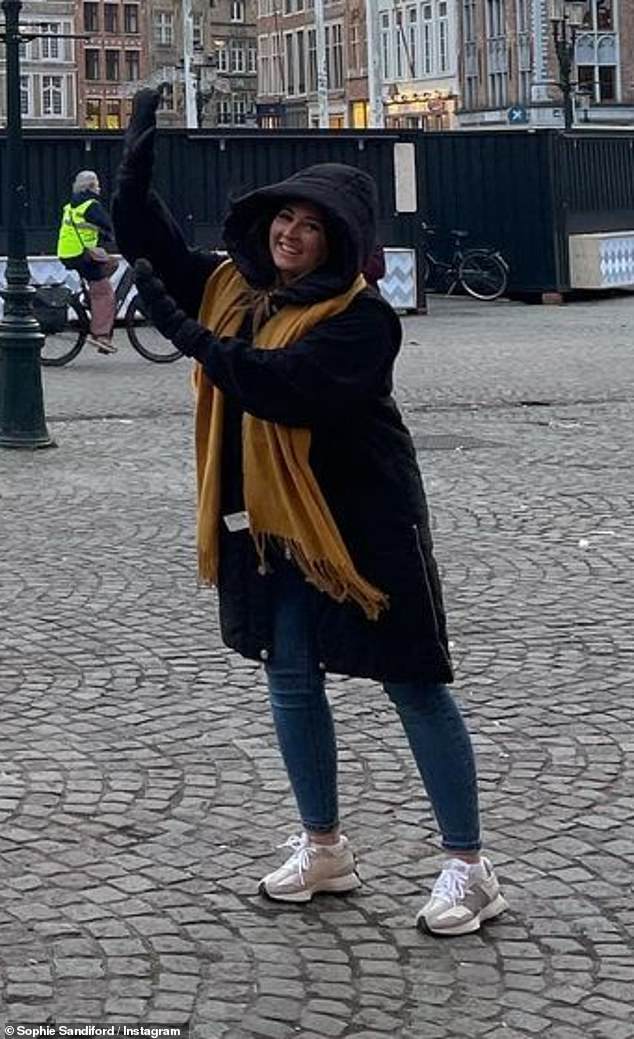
[236,521]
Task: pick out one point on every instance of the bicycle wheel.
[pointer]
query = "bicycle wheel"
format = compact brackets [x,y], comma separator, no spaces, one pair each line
[61,347]
[144,337]
[483,274]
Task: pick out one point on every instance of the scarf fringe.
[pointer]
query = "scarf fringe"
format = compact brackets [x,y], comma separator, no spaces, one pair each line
[207,567]
[326,576]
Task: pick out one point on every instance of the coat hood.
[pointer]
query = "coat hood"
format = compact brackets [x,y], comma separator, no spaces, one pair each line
[348,199]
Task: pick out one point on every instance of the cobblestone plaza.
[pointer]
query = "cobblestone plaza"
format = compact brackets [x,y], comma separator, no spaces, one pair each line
[141,794]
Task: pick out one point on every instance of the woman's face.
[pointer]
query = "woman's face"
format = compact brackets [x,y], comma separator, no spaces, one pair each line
[297,240]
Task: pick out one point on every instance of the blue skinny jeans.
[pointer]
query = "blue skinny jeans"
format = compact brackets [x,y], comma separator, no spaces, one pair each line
[305,729]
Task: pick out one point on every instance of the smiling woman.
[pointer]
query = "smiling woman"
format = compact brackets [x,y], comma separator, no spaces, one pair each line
[297,240]
[312,520]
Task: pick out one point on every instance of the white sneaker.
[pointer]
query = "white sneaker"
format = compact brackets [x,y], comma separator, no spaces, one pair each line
[462,898]
[312,868]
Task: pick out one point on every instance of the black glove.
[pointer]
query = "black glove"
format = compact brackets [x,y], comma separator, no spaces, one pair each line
[187,335]
[138,148]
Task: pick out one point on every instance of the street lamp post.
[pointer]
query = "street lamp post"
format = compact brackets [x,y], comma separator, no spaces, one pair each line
[566,16]
[204,92]
[22,420]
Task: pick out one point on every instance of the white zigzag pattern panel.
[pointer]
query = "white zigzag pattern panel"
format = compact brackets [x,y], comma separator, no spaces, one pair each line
[617,262]
[399,284]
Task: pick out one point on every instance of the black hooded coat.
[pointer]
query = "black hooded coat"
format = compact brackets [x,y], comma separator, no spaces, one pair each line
[338,382]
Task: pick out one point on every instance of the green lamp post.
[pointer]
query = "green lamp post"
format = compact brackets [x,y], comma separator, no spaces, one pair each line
[22,420]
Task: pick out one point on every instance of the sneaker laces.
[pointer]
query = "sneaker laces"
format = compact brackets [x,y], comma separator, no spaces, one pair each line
[451,885]
[302,852]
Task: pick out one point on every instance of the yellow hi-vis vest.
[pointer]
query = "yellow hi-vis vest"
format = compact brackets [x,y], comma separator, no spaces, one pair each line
[75,233]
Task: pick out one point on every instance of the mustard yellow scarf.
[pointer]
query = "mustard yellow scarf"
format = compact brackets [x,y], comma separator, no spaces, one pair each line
[281,495]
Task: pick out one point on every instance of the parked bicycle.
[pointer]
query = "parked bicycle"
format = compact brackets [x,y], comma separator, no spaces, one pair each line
[64,317]
[482,273]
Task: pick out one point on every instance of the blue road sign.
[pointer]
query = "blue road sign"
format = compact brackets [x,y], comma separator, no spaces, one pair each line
[517,115]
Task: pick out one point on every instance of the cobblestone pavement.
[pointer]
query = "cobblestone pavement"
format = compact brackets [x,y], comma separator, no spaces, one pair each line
[141,796]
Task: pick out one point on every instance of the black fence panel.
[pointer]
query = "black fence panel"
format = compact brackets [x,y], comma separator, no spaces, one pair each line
[498,187]
[523,192]
[593,177]
[226,167]
[198,173]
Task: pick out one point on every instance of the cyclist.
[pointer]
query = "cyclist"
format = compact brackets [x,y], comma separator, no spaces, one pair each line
[85,236]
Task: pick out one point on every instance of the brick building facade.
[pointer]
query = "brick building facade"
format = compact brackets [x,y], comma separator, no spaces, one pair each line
[508,60]
[112,62]
[287,63]
[418,52]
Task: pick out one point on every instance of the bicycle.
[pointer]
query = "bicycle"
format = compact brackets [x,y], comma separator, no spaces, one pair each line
[482,273]
[64,316]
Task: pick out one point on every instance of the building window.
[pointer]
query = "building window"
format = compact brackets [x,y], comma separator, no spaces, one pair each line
[398,49]
[277,78]
[264,71]
[113,115]
[91,59]
[91,17]
[497,54]
[469,20]
[338,56]
[312,61]
[93,113]
[359,115]
[523,16]
[112,66]
[289,63]
[253,58]
[197,22]
[163,28]
[238,57]
[224,112]
[131,18]
[300,41]
[597,53]
[428,39]
[52,95]
[132,65]
[50,47]
[354,45]
[443,37]
[607,83]
[386,63]
[412,41]
[288,6]
[168,98]
[111,18]
[239,111]
[599,16]
[524,51]
[471,70]
[496,18]
[25,95]
[237,11]
[222,58]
